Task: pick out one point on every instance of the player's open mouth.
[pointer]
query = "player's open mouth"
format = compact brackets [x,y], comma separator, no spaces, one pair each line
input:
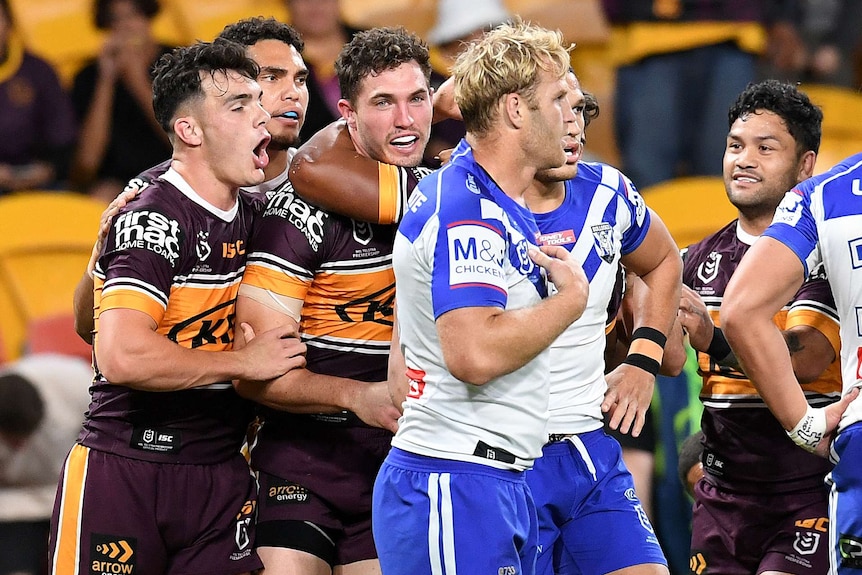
[289,115]
[261,158]
[404,141]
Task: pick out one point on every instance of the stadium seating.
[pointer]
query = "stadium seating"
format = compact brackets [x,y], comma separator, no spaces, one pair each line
[842,131]
[691,208]
[44,248]
[56,334]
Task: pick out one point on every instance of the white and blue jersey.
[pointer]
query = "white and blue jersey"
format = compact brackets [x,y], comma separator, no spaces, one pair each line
[601,218]
[464,243]
[821,221]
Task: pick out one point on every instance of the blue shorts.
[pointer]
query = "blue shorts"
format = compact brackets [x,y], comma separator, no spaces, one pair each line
[590,520]
[435,516]
[845,501]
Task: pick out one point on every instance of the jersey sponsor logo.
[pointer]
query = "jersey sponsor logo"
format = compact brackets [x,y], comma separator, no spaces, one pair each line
[363,233]
[855,246]
[507,570]
[377,307]
[855,188]
[417,383]
[789,211]
[697,562]
[643,518]
[603,236]
[416,200]
[556,238]
[471,185]
[161,440]
[307,219]
[242,538]
[285,493]
[708,269]
[850,549]
[112,554]
[639,204]
[207,330]
[230,250]
[476,256]
[817,523]
[136,185]
[146,229]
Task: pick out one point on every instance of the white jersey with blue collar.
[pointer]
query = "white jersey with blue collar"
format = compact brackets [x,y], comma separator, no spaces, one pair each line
[601,218]
[463,243]
[821,221]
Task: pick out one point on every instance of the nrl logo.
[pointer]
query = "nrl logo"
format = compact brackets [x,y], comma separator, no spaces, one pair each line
[708,270]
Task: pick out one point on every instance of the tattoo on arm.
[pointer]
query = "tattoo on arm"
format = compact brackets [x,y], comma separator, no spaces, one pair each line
[794,344]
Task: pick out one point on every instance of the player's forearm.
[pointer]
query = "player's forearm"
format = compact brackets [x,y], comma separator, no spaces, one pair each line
[478,350]
[763,354]
[83,308]
[303,391]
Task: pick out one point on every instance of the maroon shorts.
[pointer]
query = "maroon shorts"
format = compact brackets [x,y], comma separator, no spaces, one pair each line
[120,516]
[734,534]
[324,506]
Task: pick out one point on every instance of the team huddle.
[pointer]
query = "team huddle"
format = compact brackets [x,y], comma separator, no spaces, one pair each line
[329,359]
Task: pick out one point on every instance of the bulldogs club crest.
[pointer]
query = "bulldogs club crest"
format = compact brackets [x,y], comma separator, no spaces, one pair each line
[603,234]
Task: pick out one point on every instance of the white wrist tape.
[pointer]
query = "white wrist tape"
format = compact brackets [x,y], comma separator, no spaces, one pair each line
[810,430]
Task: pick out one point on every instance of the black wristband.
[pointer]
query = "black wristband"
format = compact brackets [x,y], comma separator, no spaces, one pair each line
[644,362]
[718,347]
[651,334]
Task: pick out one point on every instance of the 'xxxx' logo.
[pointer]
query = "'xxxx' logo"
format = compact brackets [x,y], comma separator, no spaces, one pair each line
[118,550]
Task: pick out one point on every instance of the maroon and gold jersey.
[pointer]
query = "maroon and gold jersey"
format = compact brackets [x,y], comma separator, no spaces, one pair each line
[180,260]
[342,270]
[746,449]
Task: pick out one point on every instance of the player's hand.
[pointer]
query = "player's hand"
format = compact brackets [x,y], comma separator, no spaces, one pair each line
[566,274]
[270,354]
[443,102]
[833,418]
[627,399]
[695,319]
[123,198]
[374,406]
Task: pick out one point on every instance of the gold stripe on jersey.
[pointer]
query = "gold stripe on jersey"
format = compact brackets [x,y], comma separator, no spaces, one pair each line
[69,522]
[196,317]
[363,310]
[731,384]
[278,281]
[389,197]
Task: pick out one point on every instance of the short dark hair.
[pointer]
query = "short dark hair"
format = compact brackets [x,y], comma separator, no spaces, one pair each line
[376,50]
[690,453]
[250,31]
[803,119]
[591,108]
[21,406]
[102,14]
[177,78]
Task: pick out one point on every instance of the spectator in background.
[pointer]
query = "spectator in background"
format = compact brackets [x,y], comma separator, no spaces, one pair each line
[36,116]
[324,33]
[119,135]
[454,28]
[681,64]
[831,30]
[42,403]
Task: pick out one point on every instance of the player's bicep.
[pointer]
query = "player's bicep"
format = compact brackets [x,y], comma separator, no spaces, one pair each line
[263,309]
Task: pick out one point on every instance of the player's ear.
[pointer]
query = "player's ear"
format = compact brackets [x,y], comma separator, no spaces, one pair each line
[806,166]
[347,112]
[188,131]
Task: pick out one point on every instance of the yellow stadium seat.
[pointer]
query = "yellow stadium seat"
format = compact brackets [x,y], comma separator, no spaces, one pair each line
[44,248]
[61,31]
[842,132]
[691,208]
[205,20]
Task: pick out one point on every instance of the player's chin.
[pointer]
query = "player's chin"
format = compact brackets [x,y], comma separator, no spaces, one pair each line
[404,160]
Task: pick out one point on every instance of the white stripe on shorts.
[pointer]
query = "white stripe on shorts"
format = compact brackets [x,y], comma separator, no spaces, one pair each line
[440,519]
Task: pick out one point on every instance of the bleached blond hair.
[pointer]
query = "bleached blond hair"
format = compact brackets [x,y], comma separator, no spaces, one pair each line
[506,60]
